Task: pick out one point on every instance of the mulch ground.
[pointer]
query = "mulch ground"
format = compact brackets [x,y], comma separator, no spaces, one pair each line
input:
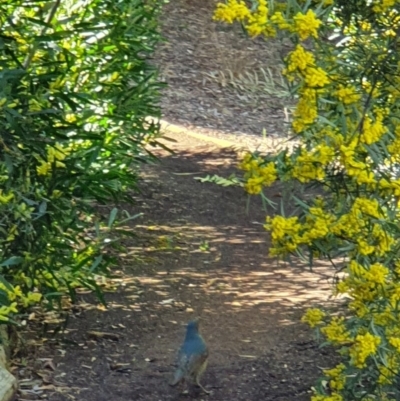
[199,251]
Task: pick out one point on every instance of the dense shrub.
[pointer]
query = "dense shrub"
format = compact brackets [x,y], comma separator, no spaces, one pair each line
[344,68]
[75,93]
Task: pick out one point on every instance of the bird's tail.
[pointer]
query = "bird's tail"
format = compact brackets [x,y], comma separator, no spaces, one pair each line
[178,376]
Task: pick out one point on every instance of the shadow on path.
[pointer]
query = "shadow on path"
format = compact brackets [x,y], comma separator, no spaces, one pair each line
[197,253]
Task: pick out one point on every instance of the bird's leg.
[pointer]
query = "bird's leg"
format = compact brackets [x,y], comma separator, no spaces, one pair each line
[184,387]
[200,373]
[199,385]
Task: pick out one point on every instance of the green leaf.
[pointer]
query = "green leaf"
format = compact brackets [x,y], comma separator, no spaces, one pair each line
[9,163]
[130,218]
[112,217]
[43,207]
[96,263]
[13,260]
[4,300]
[216,179]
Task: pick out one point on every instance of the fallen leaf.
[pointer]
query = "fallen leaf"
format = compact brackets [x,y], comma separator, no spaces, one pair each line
[167,301]
[99,335]
[49,364]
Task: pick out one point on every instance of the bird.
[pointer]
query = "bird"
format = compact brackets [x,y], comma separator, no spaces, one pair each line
[192,357]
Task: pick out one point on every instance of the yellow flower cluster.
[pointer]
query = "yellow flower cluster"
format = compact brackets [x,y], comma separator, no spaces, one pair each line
[349,157]
[258,174]
[361,226]
[256,22]
[316,77]
[5,311]
[306,109]
[389,187]
[6,197]
[16,296]
[336,332]
[317,225]
[280,21]
[233,10]
[337,378]
[363,284]
[347,94]
[369,207]
[372,131]
[313,317]
[260,22]
[306,25]
[285,233]
[381,6]
[358,225]
[301,64]
[364,346]
[389,372]
[55,156]
[346,118]
[310,165]
[299,60]
[367,285]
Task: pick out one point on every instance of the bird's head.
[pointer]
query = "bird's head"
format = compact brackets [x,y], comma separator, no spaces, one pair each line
[192,327]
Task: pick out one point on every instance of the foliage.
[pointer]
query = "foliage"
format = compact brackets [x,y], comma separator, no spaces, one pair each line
[76,91]
[344,67]
[232,180]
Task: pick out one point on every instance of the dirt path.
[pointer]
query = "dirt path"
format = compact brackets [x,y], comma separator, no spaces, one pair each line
[219,79]
[197,254]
